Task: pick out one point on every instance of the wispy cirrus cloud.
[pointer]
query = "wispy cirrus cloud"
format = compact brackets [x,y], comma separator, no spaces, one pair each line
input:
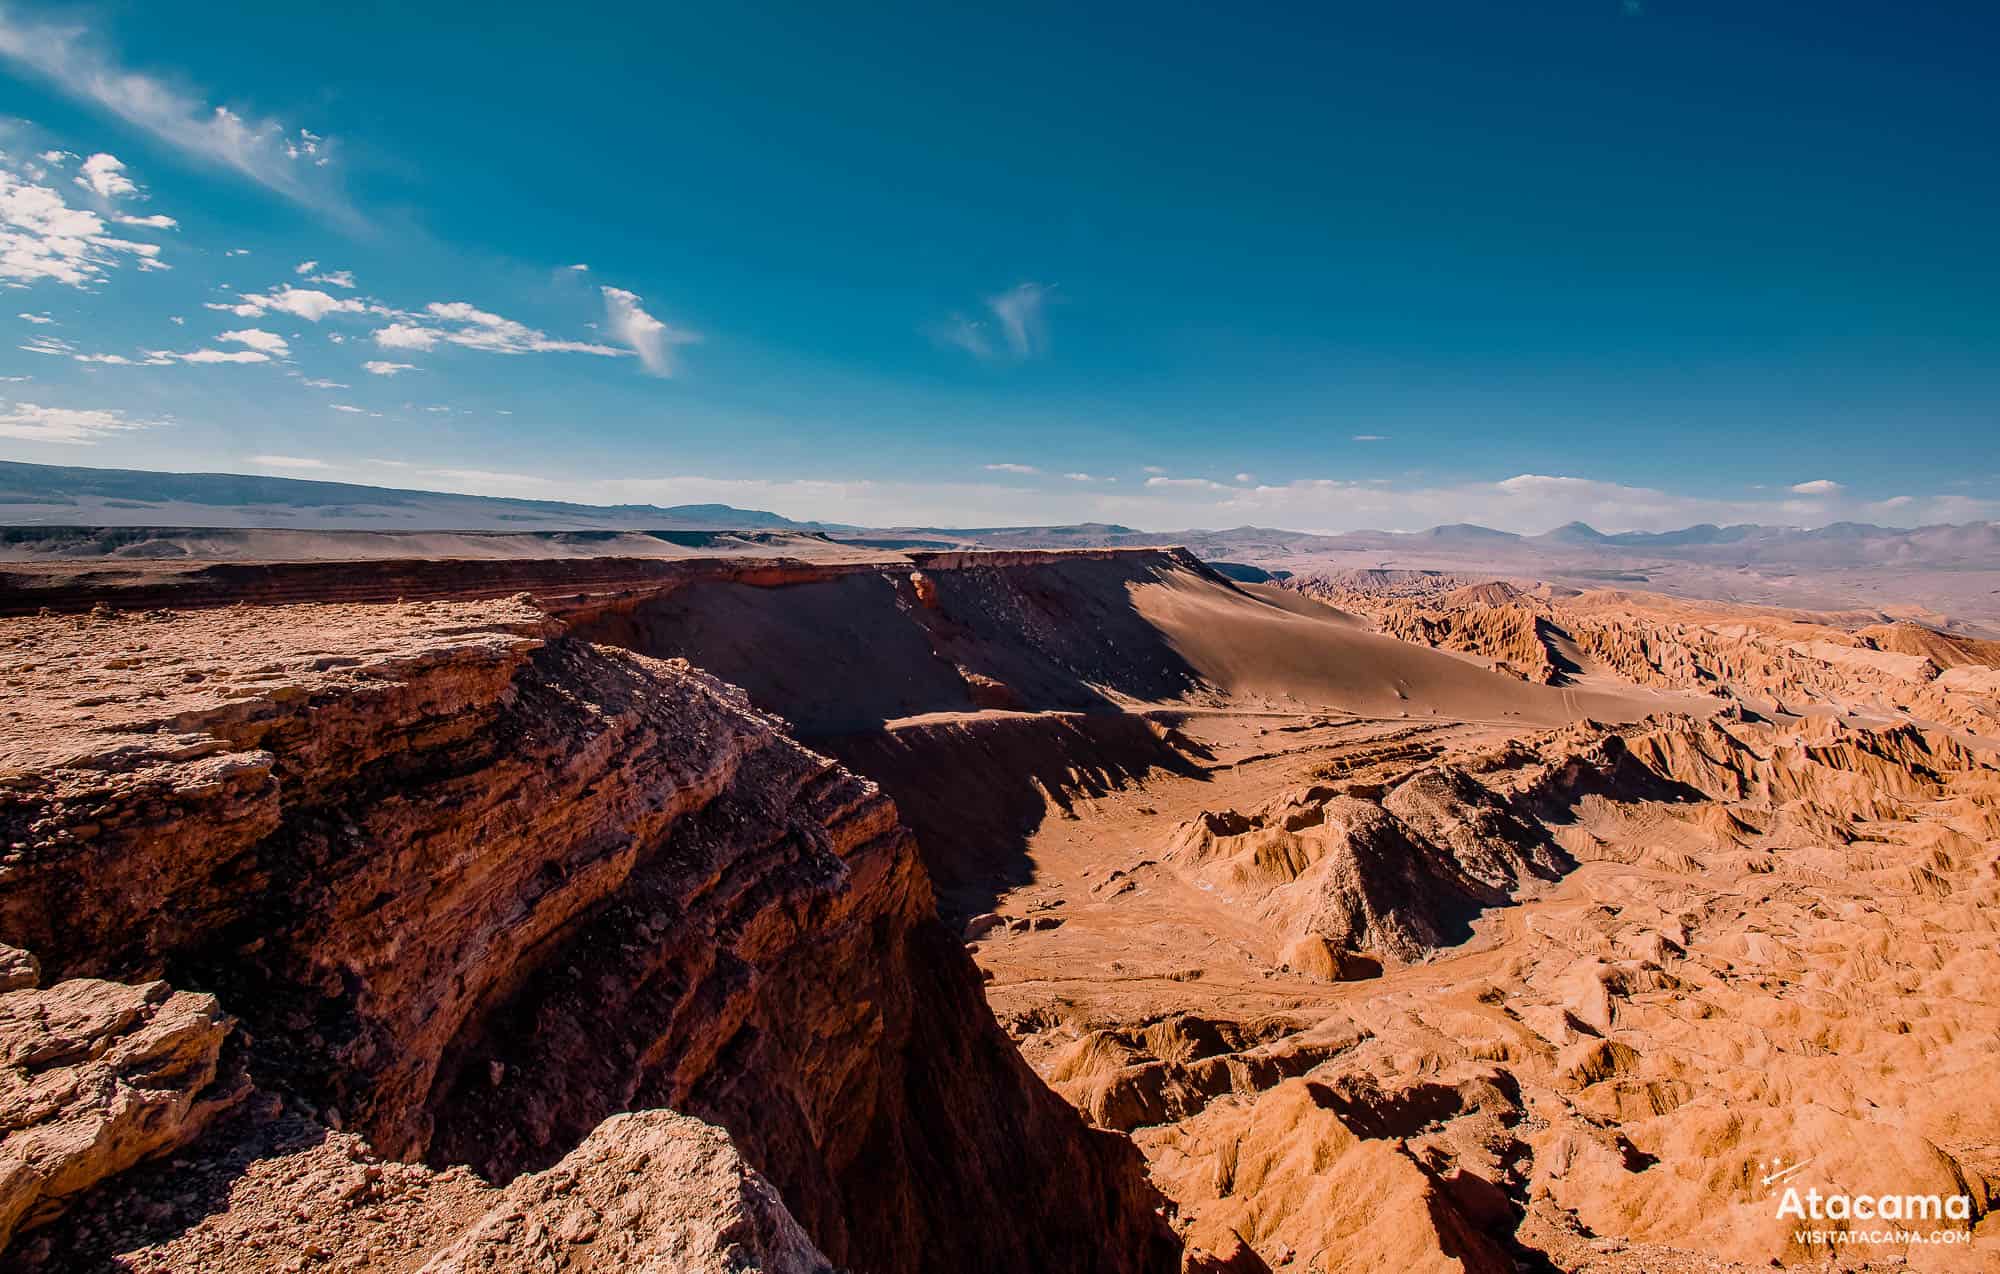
[1022,469]
[1012,329]
[268,152]
[1019,310]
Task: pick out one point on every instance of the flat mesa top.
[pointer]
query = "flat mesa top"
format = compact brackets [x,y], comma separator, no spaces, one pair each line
[85,684]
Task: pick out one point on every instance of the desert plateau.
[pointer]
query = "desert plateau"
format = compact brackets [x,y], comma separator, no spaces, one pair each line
[999,639]
[729,911]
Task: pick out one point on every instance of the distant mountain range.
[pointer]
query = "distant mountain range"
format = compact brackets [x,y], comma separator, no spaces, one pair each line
[52,495]
[49,495]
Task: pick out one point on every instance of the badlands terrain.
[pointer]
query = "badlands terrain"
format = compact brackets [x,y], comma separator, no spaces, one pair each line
[794,901]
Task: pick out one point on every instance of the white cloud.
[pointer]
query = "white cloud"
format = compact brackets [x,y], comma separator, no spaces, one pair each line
[158,221]
[42,237]
[649,338]
[1371,437]
[1818,486]
[168,357]
[237,252]
[336,278]
[258,339]
[352,411]
[265,151]
[1186,484]
[35,318]
[463,324]
[288,462]
[324,384]
[1246,477]
[224,356]
[33,423]
[1079,477]
[405,336]
[48,345]
[386,369]
[580,268]
[105,176]
[306,303]
[1012,468]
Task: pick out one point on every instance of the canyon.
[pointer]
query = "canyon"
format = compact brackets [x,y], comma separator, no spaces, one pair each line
[737,901]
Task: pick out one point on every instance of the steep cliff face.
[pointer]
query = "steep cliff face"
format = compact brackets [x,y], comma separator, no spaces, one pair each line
[474,886]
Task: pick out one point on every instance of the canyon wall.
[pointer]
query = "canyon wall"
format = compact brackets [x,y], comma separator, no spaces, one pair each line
[469,886]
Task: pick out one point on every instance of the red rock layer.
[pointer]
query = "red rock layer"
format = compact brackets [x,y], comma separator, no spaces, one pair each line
[474,888]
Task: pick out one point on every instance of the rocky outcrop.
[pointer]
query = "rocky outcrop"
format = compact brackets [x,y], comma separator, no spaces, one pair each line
[476,886]
[98,1076]
[1281,1175]
[652,1190]
[1355,883]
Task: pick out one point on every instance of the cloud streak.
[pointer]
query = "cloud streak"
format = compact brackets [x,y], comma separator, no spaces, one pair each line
[31,422]
[646,336]
[1014,331]
[265,150]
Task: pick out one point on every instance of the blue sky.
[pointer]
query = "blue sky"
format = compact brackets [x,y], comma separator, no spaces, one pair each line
[1641,262]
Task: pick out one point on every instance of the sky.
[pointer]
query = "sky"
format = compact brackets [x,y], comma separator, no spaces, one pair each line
[1642,263]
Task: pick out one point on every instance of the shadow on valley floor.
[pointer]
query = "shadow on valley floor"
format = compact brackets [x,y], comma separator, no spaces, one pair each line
[975,788]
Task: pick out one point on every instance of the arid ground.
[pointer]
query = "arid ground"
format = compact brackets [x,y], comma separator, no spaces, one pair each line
[744,904]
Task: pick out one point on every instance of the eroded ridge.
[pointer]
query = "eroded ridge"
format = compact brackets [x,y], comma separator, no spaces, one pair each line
[1566,996]
[446,879]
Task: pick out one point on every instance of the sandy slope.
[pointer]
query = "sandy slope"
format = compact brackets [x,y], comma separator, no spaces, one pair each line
[1255,647]
[1085,632]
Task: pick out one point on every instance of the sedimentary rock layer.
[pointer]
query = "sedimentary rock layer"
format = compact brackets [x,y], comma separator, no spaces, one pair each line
[474,886]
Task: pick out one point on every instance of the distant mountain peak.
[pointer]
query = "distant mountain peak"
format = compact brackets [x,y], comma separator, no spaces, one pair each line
[1575,533]
[1468,531]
